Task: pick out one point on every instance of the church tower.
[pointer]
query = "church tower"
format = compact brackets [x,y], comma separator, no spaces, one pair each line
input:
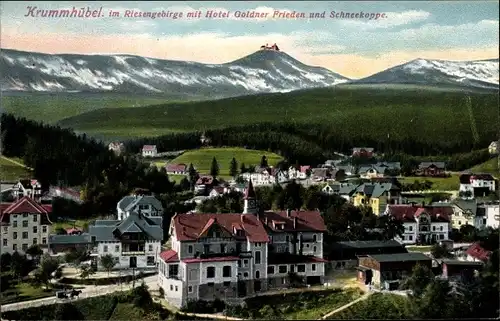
[250,202]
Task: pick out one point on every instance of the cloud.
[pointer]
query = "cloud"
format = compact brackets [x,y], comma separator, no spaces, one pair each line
[393,19]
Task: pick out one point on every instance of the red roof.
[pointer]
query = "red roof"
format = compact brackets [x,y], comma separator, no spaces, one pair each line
[22,206]
[307,221]
[478,252]
[205,180]
[149,147]
[408,212]
[212,259]
[169,256]
[303,169]
[176,167]
[483,177]
[190,227]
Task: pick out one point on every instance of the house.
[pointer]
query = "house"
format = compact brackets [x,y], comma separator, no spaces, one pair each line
[261,177]
[219,191]
[476,253]
[493,148]
[149,151]
[320,174]
[464,212]
[280,176]
[116,147]
[203,184]
[456,270]
[490,213]
[344,190]
[483,181]
[298,173]
[230,256]
[60,244]
[363,152]
[423,224]
[377,196]
[197,200]
[431,169]
[27,187]
[371,171]
[134,242]
[472,185]
[24,223]
[147,205]
[344,255]
[73,231]
[65,192]
[385,271]
[176,169]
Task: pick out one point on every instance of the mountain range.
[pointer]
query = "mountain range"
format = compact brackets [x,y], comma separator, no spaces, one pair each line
[260,72]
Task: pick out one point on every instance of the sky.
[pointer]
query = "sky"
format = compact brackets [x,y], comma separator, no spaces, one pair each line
[353,47]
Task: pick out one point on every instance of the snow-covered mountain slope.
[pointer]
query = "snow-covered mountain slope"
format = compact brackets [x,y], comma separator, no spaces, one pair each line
[262,71]
[479,73]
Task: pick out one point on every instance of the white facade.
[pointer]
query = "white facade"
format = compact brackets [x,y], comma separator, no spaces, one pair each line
[439,231]
[126,258]
[294,173]
[147,205]
[259,179]
[149,151]
[489,183]
[493,148]
[31,188]
[492,215]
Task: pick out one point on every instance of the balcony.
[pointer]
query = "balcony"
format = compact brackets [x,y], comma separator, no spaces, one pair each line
[125,253]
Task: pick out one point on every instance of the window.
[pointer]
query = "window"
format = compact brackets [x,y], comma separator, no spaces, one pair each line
[206,248]
[301,268]
[117,248]
[257,257]
[25,223]
[270,270]
[258,244]
[171,287]
[44,229]
[25,215]
[14,235]
[245,274]
[150,248]
[4,242]
[226,284]
[210,272]
[434,228]
[313,267]
[441,228]
[245,263]
[5,229]
[314,249]
[288,238]
[25,235]
[105,248]
[150,260]
[190,289]
[14,224]
[257,274]
[14,216]
[314,238]
[222,248]
[35,241]
[190,249]
[176,288]
[459,222]
[282,269]
[44,240]
[24,247]
[14,247]
[441,236]
[226,271]
[210,283]
[35,229]
[410,228]
[410,237]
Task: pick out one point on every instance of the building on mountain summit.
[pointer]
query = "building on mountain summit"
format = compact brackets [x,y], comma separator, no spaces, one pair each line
[267,47]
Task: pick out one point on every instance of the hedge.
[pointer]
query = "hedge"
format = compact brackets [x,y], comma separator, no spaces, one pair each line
[105,281]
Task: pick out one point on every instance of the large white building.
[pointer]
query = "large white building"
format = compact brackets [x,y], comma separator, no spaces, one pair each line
[149,151]
[24,223]
[145,204]
[469,183]
[231,256]
[423,224]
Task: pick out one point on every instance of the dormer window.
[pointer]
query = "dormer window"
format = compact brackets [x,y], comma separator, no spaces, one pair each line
[279,225]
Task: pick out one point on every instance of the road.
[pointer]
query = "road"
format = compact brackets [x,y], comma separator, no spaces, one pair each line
[87,292]
[363,297]
[16,163]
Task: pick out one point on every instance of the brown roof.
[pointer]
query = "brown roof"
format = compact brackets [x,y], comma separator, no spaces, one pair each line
[205,180]
[169,256]
[478,252]
[307,221]
[149,147]
[408,212]
[484,177]
[22,206]
[189,227]
[176,167]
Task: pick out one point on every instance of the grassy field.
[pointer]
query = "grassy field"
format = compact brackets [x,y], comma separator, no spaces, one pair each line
[24,292]
[51,107]
[490,167]
[202,158]
[419,113]
[78,224]
[377,307]
[10,171]
[421,249]
[438,183]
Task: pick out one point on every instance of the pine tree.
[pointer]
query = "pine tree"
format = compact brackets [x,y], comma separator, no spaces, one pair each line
[243,168]
[214,168]
[233,168]
[263,162]
[193,175]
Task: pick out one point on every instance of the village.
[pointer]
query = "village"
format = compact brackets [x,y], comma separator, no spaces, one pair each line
[232,256]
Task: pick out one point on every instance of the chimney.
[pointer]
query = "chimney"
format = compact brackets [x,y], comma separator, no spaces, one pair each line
[288,212]
[265,220]
[295,222]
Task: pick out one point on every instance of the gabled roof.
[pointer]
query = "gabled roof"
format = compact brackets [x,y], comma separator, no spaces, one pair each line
[249,191]
[107,230]
[205,180]
[424,165]
[375,189]
[400,257]
[169,256]
[307,221]
[176,168]
[190,227]
[25,205]
[478,252]
[483,177]
[129,202]
[149,147]
[409,212]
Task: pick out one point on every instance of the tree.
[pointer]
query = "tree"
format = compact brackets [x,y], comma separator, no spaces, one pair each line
[86,271]
[60,231]
[214,168]
[233,168]
[67,311]
[193,175]
[243,168]
[340,175]
[390,226]
[263,162]
[45,272]
[419,279]
[108,262]
[185,184]
[17,263]
[34,251]
[440,252]
[76,256]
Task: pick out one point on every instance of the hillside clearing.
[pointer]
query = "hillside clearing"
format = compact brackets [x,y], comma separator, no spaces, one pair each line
[490,167]
[10,171]
[202,158]
[378,306]
[451,183]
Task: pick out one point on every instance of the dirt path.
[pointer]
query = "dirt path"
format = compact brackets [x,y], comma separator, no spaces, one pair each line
[16,163]
[363,297]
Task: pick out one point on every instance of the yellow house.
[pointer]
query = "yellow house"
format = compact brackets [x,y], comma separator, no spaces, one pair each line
[377,196]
